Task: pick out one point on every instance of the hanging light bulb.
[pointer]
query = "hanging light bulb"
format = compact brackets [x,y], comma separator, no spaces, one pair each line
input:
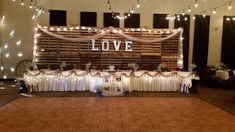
[2,68]
[204,15]
[196,4]
[31,4]
[138,4]
[228,19]
[233,18]
[132,10]
[189,10]
[186,19]
[194,17]
[22,2]
[214,11]
[18,42]
[230,5]
[20,54]
[12,33]
[183,13]
[12,69]
[37,8]
[7,55]
[5,46]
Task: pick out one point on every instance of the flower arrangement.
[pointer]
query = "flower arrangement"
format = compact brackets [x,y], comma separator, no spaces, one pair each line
[134,66]
[162,65]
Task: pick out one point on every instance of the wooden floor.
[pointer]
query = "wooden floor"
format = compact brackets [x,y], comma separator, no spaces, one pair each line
[114,114]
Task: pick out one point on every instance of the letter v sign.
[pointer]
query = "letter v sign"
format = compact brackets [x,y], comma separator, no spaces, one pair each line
[116,45]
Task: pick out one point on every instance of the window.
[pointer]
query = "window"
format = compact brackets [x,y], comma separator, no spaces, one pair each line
[88,19]
[228,42]
[160,21]
[58,18]
[133,21]
[110,21]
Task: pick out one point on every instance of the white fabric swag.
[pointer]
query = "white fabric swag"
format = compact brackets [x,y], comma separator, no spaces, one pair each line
[111,29]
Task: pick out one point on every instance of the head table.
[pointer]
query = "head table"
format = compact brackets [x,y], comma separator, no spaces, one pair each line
[80,80]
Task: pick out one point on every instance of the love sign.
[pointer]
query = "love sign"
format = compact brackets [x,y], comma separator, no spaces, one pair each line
[116,44]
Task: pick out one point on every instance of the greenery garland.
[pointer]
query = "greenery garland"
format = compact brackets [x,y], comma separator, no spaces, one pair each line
[132,74]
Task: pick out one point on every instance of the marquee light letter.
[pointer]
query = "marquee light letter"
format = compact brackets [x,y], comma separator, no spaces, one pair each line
[116,45]
[105,45]
[128,46]
[93,45]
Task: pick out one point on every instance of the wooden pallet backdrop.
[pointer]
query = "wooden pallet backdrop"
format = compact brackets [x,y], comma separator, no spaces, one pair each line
[52,51]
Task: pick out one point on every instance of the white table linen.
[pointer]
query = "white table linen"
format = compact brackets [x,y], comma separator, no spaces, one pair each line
[222,74]
[78,80]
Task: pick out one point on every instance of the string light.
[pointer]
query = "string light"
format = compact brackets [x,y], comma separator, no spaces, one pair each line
[12,33]
[228,19]
[20,54]
[5,46]
[33,5]
[124,16]
[22,2]
[189,10]
[204,15]
[196,4]
[138,4]
[132,10]
[12,69]
[214,11]
[18,42]
[194,17]
[230,5]
[183,13]
[7,55]
[2,68]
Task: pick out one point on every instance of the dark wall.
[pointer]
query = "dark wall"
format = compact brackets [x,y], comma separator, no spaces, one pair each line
[88,19]
[160,21]
[201,40]
[58,18]
[228,42]
[110,21]
[185,24]
[133,21]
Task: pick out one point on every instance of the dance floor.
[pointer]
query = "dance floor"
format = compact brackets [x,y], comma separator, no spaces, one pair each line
[108,114]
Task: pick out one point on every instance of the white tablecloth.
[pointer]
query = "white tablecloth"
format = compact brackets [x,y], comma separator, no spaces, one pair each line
[222,74]
[78,80]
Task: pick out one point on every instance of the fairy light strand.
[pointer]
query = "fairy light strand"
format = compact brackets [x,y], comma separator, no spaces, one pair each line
[125,15]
